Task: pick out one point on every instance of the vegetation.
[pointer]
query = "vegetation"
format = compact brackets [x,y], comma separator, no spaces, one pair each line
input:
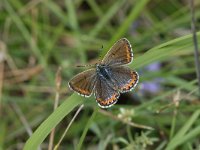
[42,42]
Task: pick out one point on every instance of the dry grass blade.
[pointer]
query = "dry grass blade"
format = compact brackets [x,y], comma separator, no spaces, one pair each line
[23,119]
[2,57]
[17,76]
[77,112]
[57,83]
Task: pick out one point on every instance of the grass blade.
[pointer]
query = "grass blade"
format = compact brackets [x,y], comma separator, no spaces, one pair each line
[152,55]
[45,128]
[182,132]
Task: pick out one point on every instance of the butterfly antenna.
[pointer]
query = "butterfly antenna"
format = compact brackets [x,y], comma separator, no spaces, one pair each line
[89,65]
[100,56]
[92,65]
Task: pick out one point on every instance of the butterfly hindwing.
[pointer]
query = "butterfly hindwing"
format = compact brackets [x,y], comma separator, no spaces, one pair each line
[119,54]
[105,94]
[124,78]
[83,83]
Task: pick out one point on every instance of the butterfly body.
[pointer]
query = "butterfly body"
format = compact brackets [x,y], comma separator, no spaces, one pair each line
[110,77]
[103,71]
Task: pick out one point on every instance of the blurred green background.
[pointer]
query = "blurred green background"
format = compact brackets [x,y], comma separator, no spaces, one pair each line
[37,37]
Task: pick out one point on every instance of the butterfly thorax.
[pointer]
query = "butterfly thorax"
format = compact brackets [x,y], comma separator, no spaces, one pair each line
[103,71]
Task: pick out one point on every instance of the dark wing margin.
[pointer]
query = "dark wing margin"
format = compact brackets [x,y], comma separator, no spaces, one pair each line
[125,78]
[83,83]
[105,95]
[119,54]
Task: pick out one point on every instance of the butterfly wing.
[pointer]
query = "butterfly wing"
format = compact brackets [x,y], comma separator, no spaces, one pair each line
[124,78]
[119,54]
[83,83]
[105,95]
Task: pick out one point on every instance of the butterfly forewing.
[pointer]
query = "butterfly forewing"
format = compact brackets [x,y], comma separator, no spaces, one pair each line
[105,94]
[83,83]
[119,54]
[125,78]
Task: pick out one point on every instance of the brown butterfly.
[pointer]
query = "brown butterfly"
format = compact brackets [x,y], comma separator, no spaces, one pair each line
[110,77]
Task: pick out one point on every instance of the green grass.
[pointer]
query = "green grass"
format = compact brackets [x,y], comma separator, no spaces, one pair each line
[73,101]
[52,34]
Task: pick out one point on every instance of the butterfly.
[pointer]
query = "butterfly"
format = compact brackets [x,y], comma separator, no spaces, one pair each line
[108,78]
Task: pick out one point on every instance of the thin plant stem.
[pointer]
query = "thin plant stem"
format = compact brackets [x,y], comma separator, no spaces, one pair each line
[196,53]
[86,129]
[2,53]
[1,84]
[22,118]
[106,113]
[58,83]
[63,135]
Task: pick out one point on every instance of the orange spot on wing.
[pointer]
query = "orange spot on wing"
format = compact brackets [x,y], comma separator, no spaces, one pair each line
[108,101]
[84,92]
[131,83]
[80,91]
[128,53]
